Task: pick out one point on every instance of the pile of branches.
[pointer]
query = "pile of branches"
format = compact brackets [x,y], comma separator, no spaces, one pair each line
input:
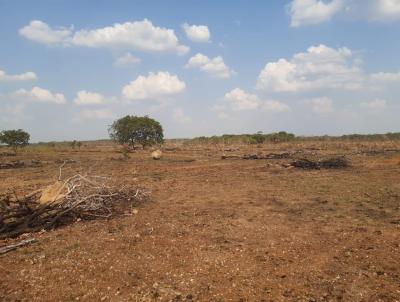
[20,164]
[331,163]
[283,155]
[78,197]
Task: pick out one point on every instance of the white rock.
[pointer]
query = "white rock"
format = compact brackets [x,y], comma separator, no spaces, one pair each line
[156,154]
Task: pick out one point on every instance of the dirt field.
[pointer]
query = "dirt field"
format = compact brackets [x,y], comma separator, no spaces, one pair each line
[218,230]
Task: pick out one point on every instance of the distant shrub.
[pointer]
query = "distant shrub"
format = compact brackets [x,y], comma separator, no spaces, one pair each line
[257,138]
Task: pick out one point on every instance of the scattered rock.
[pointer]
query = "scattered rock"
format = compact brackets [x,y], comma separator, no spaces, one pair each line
[156,155]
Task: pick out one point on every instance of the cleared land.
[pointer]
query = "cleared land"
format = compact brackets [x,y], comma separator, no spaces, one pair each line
[217,230]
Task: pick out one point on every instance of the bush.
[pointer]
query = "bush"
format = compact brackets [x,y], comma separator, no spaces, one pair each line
[14,138]
[134,130]
[257,138]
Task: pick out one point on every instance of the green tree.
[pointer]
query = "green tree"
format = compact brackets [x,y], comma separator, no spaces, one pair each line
[134,130]
[14,138]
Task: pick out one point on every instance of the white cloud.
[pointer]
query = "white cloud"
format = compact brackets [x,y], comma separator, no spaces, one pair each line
[137,35]
[180,116]
[274,106]
[155,86]
[320,105]
[386,10]
[127,59]
[216,67]
[239,100]
[40,95]
[13,114]
[305,12]
[41,32]
[375,104]
[84,97]
[321,67]
[386,77]
[308,12]
[96,114]
[26,76]
[197,33]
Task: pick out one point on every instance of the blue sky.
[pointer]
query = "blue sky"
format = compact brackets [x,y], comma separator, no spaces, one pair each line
[311,67]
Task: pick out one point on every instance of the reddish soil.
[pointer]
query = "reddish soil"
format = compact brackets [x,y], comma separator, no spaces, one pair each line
[218,230]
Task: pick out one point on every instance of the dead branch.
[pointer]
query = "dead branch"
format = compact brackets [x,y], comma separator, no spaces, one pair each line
[8,248]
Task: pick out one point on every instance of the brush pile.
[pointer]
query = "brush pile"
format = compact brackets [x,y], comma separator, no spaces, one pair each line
[78,197]
[20,164]
[331,163]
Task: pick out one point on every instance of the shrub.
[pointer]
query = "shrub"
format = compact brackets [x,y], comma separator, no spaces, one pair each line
[257,138]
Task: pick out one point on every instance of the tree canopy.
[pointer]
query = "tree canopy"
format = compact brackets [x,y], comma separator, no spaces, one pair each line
[134,130]
[14,138]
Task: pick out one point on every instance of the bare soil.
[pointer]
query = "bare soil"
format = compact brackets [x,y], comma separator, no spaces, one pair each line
[218,230]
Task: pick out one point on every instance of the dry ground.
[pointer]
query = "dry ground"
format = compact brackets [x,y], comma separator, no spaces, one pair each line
[219,230]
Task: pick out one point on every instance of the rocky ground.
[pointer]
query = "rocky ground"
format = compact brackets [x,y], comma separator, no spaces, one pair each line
[217,230]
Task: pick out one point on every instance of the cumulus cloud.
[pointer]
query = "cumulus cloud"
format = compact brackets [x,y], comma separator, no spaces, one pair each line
[40,95]
[180,116]
[215,67]
[386,10]
[155,86]
[127,59]
[308,12]
[197,33]
[84,97]
[13,114]
[387,77]
[239,100]
[374,104]
[137,35]
[26,76]
[320,67]
[305,12]
[96,114]
[320,105]
[41,32]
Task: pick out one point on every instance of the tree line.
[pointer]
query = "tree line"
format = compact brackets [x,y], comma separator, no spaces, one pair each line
[143,131]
